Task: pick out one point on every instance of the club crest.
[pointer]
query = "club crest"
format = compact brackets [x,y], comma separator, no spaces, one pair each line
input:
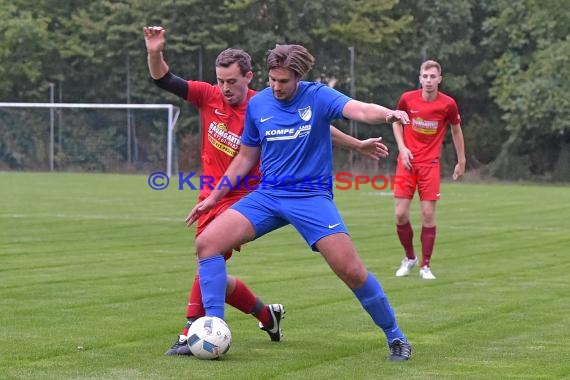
[305,113]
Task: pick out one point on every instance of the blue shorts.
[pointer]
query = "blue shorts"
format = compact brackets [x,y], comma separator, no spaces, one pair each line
[314,215]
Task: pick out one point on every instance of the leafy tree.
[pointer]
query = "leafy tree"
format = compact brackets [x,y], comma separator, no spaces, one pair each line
[23,47]
[505,62]
[532,71]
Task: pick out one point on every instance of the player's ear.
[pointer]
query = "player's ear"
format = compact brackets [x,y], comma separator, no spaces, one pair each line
[249,76]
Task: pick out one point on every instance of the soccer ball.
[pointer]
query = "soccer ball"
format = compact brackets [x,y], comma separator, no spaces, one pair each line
[209,338]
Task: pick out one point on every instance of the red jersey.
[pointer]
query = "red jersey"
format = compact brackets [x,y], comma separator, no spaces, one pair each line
[428,124]
[222,127]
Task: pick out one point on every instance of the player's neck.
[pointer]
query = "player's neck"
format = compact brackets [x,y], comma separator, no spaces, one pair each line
[429,96]
[240,103]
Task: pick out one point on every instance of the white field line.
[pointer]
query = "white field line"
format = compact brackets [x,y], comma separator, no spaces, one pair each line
[381,193]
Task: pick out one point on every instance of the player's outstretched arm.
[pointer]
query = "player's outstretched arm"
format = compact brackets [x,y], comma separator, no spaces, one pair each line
[371,113]
[240,167]
[371,148]
[154,40]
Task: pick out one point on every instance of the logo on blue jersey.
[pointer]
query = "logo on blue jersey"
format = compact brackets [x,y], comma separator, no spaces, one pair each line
[305,113]
[287,133]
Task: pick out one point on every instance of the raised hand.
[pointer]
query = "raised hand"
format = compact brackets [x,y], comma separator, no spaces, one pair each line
[154,38]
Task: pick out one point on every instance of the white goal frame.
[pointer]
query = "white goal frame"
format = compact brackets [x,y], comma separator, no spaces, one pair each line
[173,113]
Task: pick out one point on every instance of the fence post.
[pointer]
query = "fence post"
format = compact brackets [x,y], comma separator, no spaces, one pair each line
[51,127]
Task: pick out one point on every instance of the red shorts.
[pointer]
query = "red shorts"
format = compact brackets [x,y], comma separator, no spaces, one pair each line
[208,217]
[424,178]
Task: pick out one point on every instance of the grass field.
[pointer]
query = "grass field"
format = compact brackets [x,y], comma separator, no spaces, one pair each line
[95,271]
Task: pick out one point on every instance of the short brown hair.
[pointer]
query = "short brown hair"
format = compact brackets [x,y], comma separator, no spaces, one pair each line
[429,64]
[230,56]
[293,57]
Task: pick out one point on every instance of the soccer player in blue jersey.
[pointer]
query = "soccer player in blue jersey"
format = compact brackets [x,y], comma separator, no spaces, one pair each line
[287,126]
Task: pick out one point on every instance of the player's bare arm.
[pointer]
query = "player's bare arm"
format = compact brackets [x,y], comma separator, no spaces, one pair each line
[405,154]
[240,166]
[371,113]
[458,142]
[154,41]
[371,148]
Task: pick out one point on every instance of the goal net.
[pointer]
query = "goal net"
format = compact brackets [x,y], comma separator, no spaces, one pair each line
[88,137]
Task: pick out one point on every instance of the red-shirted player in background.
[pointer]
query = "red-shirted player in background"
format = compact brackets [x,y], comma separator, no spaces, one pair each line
[419,145]
[222,111]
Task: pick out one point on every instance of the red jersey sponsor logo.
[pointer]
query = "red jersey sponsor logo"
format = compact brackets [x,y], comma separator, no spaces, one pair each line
[425,127]
[222,139]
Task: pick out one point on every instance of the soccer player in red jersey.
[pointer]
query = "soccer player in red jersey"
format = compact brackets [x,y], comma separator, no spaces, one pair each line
[222,111]
[419,145]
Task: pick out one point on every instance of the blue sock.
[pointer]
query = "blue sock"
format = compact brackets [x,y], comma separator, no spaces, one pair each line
[213,281]
[374,301]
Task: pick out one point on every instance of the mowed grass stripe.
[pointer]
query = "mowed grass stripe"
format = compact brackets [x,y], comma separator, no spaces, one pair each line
[104,263]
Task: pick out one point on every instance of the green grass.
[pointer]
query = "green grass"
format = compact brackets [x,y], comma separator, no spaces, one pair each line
[95,271]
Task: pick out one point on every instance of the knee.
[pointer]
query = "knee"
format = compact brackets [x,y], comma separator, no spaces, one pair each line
[355,276]
[231,285]
[202,246]
[428,217]
[401,216]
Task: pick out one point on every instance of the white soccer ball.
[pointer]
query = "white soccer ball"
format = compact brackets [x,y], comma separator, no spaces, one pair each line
[209,338]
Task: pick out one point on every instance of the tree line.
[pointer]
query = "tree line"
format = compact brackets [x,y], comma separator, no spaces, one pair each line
[505,61]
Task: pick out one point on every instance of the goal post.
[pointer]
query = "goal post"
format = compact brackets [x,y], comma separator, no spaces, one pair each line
[172,111]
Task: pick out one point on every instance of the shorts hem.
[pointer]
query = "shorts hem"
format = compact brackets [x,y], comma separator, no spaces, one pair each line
[314,248]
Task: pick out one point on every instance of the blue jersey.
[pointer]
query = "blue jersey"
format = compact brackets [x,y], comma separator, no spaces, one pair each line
[294,136]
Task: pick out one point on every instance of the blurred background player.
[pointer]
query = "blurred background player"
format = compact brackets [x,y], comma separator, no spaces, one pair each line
[222,110]
[419,145]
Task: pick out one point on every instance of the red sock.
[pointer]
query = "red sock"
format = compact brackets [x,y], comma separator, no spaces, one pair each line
[264,317]
[428,241]
[406,235]
[195,308]
[244,300]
